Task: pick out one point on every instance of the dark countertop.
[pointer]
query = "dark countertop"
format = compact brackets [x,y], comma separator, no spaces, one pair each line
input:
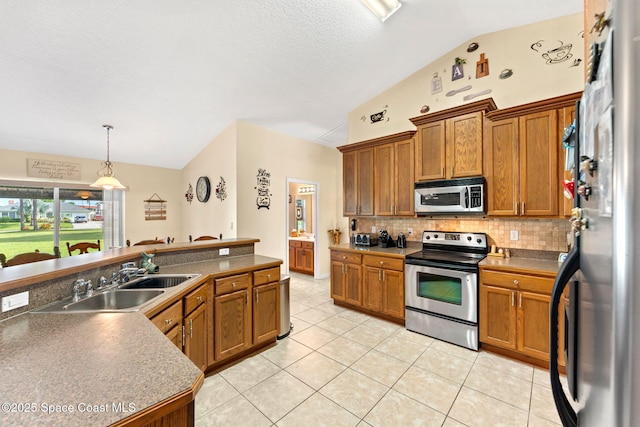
[379,250]
[85,359]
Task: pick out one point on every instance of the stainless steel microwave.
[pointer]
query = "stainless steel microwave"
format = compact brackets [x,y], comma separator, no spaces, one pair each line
[452,196]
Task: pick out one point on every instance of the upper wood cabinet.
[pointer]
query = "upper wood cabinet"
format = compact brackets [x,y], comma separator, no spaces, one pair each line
[521,158]
[358,182]
[449,142]
[378,176]
[394,178]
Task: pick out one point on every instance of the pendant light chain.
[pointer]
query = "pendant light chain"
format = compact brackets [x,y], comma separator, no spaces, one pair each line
[108,162]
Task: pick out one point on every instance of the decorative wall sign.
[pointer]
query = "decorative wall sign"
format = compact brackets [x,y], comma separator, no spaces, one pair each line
[482,67]
[462,89]
[264,196]
[53,169]
[155,208]
[553,55]
[221,189]
[472,47]
[456,69]
[378,117]
[505,74]
[436,84]
[189,194]
[475,95]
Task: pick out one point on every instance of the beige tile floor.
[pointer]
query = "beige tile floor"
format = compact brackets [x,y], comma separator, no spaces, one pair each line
[343,368]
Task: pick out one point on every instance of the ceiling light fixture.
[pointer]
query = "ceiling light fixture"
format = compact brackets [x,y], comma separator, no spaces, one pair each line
[107,180]
[383,9]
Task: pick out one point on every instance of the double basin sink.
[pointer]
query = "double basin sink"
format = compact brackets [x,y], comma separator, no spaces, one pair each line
[125,297]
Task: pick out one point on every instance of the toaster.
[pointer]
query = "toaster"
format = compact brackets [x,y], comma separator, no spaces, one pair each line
[366,239]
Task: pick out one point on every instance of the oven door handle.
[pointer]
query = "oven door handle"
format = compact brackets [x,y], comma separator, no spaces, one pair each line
[435,264]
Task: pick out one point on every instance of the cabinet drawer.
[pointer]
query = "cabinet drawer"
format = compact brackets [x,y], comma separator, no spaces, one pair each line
[169,317]
[307,245]
[194,299]
[232,283]
[266,276]
[517,281]
[346,257]
[383,262]
[295,243]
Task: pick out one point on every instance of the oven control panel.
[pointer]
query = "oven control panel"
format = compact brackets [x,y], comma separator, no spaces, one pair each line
[446,238]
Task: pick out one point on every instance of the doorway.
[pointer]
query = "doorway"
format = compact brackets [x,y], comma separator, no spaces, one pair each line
[302,226]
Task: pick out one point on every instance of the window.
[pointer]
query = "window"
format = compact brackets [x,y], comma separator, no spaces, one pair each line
[40,218]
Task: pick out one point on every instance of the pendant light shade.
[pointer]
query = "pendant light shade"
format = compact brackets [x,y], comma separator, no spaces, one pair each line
[106,178]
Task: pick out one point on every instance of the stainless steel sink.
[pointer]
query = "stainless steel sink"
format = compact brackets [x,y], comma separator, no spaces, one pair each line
[107,301]
[157,281]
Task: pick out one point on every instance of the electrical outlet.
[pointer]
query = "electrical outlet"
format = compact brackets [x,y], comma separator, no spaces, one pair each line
[223,251]
[410,231]
[373,228]
[514,235]
[15,301]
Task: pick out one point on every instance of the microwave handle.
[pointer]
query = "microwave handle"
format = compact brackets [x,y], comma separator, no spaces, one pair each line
[466,197]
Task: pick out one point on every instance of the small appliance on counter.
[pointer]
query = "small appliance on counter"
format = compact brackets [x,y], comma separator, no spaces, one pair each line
[385,240]
[402,240]
[366,239]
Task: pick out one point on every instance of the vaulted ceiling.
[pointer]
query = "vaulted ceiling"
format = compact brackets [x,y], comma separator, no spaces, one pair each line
[171,75]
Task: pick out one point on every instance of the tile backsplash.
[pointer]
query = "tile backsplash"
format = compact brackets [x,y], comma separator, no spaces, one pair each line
[534,234]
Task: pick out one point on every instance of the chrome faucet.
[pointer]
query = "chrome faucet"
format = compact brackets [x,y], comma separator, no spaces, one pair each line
[128,269]
[87,289]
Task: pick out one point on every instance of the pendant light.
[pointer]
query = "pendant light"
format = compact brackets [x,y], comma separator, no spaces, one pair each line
[107,180]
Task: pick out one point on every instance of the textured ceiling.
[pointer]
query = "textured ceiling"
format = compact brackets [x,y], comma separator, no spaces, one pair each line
[170,75]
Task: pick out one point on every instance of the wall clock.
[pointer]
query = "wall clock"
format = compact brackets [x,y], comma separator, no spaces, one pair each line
[203,189]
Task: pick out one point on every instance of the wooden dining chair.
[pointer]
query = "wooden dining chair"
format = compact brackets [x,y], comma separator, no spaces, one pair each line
[28,257]
[83,247]
[197,239]
[147,242]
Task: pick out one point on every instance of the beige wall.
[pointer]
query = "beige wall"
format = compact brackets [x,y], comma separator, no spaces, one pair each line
[532,80]
[218,159]
[284,157]
[142,183]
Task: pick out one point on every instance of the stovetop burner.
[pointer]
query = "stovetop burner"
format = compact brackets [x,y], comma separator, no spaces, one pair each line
[453,248]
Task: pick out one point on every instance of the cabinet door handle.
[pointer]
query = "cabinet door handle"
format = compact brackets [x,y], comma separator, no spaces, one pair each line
[184,339]
[268,276]
[342,268]
[257,295]
[168,321]
[513,296]
[522,208]
[384,276]
[233,284]
[198,298]
[520,300]
[515,282]
[190,328]
[451,171]
[380,275]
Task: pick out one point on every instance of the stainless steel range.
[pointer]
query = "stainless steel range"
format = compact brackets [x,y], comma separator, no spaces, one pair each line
[441,286]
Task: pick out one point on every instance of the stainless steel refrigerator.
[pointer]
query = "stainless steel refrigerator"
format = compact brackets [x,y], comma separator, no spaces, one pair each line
[602,271]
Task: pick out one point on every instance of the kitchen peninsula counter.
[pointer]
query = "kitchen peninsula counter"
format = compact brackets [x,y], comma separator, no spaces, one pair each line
[84,369]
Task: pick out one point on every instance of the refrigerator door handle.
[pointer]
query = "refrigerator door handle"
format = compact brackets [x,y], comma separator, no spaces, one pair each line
[570,266]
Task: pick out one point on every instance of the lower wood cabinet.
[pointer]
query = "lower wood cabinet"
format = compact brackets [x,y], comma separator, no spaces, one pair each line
[224,317]
[346,282]
[195,326]
[383,288]
[301,256]
[232,316]
[266,305]
[370,282]
[514,312]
